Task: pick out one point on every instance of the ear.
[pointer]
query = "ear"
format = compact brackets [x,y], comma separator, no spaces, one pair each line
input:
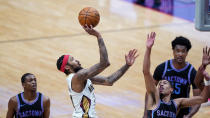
[67,67]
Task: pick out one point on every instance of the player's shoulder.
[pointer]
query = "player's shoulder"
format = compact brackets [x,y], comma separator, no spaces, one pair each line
[13,99]
[45,98]
[46,101]
[191,66]
[162,65]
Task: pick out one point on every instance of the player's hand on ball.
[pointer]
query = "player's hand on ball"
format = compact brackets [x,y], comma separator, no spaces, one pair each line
[91,31]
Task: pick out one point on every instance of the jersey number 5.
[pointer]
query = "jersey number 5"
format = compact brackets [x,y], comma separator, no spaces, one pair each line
[177,88]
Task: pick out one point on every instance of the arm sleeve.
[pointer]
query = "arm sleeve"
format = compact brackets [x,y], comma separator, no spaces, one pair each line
[192,77]
[159,72]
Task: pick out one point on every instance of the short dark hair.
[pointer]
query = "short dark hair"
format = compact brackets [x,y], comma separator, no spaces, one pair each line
[24,77]
[181,41]
[59,63]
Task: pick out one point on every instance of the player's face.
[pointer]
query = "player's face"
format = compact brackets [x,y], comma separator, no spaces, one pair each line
[180,53]
[165,87]
[30,83]
[74,64]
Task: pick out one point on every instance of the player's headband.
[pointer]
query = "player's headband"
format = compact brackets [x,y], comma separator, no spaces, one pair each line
[64,62]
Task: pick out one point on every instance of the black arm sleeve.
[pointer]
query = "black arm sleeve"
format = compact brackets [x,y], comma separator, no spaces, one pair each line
[192,77]
[159,72]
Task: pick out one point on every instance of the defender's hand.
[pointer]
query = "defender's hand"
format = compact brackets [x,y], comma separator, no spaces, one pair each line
[150,39]
[206,56]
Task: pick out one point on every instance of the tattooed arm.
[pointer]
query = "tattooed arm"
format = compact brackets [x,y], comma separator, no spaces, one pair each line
[84,74]
[110,80]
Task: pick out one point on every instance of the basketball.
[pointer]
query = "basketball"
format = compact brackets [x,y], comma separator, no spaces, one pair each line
[89,16]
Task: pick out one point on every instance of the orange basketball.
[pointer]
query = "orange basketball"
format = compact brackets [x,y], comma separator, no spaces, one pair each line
[89,16]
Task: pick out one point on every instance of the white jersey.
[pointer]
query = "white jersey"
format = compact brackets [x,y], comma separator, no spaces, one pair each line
[83,102]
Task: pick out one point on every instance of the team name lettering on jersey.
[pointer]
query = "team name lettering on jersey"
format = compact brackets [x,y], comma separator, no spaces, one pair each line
[165,113]
[176,79]
[31,113]
[91,88]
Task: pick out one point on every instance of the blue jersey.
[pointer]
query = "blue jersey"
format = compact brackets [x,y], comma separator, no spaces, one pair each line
[181,80]
[30,109]
[163,110]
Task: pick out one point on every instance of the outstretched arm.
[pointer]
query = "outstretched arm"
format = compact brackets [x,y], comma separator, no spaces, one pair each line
[104,61]
[110,80]
[187,102]
[149,81]
[205,61]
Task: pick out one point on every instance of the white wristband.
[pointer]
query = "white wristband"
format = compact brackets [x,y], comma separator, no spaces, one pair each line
[206,83]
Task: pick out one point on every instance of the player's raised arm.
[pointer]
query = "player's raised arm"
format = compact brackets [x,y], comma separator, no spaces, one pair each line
[104,61]
[150,85]
[205,61]
[111,79]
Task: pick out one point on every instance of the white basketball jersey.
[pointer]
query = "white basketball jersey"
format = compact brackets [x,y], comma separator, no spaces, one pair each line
[83,102]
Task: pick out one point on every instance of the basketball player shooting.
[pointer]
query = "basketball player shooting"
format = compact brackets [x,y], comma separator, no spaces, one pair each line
[159,102]
[80,80]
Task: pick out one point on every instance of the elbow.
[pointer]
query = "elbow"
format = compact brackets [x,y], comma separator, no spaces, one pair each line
[205,100]
[108,64]
[110,84]
[105,64]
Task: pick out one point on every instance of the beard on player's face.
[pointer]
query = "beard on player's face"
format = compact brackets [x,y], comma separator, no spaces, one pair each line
[72,70]
[77,69]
